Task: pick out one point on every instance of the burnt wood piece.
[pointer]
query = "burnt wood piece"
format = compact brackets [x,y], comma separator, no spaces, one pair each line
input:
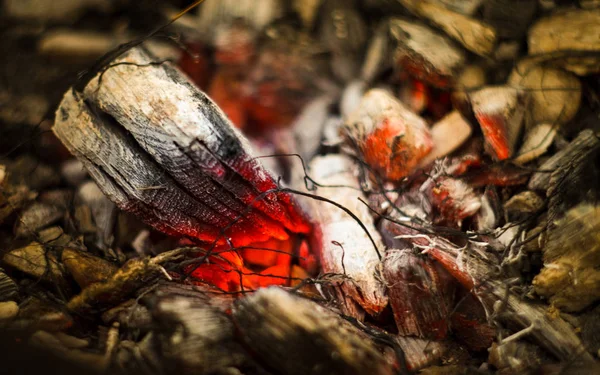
[426,54]
[570,277]
[297,336]
[161,149]
[419,295]
[499,111]
[345,249]
[474,35]
[580,149]
[195,338]
[387,135]
[475,269]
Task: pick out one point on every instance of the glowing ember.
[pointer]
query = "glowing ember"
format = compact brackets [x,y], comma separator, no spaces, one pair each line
[254,266]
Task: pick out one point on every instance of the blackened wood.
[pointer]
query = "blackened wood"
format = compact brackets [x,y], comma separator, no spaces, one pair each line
[581,147]
[297,336]
[161,149]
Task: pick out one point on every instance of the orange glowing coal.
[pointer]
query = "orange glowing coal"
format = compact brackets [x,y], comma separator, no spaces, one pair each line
[247,268]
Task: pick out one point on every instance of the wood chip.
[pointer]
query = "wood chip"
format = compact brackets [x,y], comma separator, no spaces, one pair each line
[554,95]
[537,141]
[419,353]
[133,275]
[448,134]
[37,216]
[517,356]
[474,35]
[37,261]
[388,136]
[522,205]
[570,278]
[8,310]
[85,268]
[13,198]
[419,296]
[499,111]
[426,54]
[272,315]
[576,32]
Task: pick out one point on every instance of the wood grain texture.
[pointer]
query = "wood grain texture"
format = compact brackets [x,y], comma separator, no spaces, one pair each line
[317,341]
[160,148]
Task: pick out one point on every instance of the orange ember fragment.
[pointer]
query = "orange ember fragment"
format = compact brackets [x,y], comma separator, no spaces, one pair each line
[495,134]
[418,68]
[256,266]
[396,150]
[259,254]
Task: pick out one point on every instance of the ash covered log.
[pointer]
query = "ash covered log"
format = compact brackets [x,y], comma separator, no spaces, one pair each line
[311,334]
[160,148]
[345,248]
